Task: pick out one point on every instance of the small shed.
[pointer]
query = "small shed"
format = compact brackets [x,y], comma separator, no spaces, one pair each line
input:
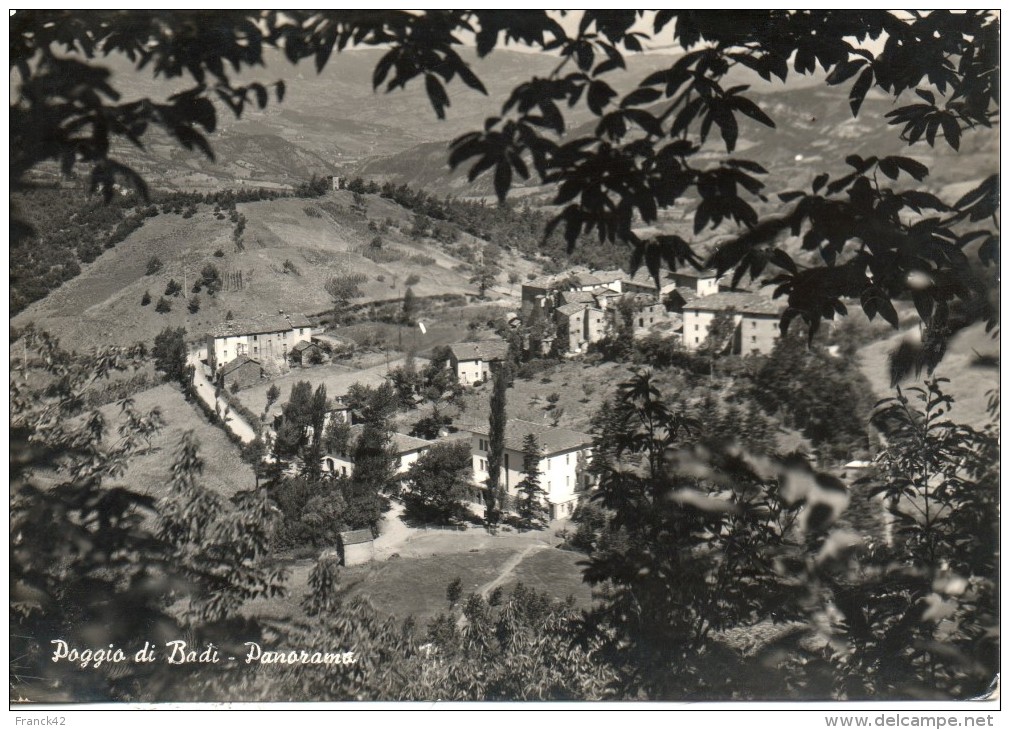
[307,354]
[356,547]
[242,370]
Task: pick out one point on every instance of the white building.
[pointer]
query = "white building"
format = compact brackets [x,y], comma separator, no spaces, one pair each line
[406,449]
[270,336]
[472,361]
[565,456]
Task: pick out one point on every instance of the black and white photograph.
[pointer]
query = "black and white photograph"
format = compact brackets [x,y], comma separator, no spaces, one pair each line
[505,358]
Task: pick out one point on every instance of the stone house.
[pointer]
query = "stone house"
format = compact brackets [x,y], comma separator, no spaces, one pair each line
[243,370]
[755,321]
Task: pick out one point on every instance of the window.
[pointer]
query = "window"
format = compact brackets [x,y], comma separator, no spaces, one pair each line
[566,480]
[256,337]
[696,329]
[696,340]
[753,324]
[753,338]
[567,459]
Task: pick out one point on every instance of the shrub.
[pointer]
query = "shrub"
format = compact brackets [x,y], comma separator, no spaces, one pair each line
[380,255]
[173,289]
[163,306]
[194,304]
[422,260]
[219,253]
[290,268]
[154,265]
[146,299]
[411,280]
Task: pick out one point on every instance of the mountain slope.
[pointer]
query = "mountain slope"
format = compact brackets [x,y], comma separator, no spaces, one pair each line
[292,247]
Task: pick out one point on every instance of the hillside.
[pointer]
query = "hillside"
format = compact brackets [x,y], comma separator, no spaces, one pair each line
[321,238]
[333,121]
[814,133]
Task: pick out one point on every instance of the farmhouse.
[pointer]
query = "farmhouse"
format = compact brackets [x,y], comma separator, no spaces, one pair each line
[406,450]
[755,321]
[270,336]
[565,457]
[242,370]
[471,361]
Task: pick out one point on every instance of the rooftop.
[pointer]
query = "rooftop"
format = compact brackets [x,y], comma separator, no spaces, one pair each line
[261,324]
[739,302]
[233,365]
[694,274]
[642,277]
[598,278]
[570,309]
[487,350]
[602,291]
[401,442]
[578,297]
[304,345]
[356,537]
[552,440]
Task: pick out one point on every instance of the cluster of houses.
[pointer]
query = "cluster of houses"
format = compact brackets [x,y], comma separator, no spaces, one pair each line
[581,308]
[563,466]
[239,351]
[680,303]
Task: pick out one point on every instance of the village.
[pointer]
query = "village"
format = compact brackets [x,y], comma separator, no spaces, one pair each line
[562,315]
[453,356]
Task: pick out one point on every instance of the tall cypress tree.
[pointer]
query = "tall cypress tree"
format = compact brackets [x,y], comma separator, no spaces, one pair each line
[530,506]
[496,447]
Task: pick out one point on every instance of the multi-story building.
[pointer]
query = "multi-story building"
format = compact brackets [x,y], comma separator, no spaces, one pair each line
[267,337]
[564,460]
[579,325]
[755,321]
